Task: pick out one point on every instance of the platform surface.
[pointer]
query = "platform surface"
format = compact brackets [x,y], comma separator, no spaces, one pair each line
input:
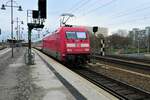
[45,80]
[84,88]
[47,84]
[4,51]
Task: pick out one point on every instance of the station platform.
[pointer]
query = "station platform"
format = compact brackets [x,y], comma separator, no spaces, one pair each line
[4,50]
[60,83]
[45,80]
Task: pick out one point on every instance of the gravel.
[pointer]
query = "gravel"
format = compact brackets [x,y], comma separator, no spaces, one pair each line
[135,79]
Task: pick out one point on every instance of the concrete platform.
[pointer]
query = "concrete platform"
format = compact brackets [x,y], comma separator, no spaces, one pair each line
[4,51]
[47,84]
[46,80]
[10,70]
[56,82]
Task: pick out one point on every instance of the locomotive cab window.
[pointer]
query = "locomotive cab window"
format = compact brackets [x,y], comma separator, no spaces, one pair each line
[81,35]
[76,35]
[71,35]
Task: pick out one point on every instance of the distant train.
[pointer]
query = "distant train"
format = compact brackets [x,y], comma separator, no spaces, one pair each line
[68,44]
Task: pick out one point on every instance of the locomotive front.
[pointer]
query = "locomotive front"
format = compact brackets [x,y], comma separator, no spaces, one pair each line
[77,45]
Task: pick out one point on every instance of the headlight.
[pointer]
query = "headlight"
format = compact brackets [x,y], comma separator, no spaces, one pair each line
[87,49]
[69,50]
[71,45]
[85,45]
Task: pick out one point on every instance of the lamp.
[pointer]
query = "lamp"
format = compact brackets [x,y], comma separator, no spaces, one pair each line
[20,8]
[3,7]
[22,22]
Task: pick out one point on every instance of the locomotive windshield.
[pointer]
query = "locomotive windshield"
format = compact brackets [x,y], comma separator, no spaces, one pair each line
[76,35]
[81,35]
[71,35]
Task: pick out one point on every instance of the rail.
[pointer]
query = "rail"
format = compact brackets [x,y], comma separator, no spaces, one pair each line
[119,89]
[133,64]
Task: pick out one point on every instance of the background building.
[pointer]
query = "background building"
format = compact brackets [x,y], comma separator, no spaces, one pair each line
[140,38]
[147,30]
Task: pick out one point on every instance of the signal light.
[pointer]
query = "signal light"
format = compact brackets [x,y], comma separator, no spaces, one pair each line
[42,5]
[95,29]
[35,14]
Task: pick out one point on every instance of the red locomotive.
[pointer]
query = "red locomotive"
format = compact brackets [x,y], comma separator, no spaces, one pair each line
[68,44]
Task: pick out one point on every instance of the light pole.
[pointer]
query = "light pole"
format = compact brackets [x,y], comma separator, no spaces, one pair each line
[148,40]
[20,32]
[138,46]
[11,6]
[95,29]
[18,27]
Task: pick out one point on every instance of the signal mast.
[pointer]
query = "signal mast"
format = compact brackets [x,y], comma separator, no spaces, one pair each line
[35,20]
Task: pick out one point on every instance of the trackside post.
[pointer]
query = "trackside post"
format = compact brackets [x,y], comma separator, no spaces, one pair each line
[95,29]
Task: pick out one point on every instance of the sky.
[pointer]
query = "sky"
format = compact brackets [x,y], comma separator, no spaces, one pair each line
[113,14]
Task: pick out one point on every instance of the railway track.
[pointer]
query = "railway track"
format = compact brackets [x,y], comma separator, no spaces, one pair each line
[116,88]
[136,59]
[126,63]
[119,89]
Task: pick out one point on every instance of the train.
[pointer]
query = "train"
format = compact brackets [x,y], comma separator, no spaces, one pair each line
[68,44]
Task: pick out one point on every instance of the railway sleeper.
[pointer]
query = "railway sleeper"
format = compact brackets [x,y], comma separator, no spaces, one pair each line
[136,96]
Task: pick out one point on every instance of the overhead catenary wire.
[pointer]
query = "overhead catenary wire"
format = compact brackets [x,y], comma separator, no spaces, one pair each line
[73,6]
[132,12]
[83,3]
[131,9]
[96,9]
[87,5]
[130,21]
[124,14]
[78,5]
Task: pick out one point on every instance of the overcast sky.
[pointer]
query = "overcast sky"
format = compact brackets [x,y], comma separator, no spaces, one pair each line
[114,14]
